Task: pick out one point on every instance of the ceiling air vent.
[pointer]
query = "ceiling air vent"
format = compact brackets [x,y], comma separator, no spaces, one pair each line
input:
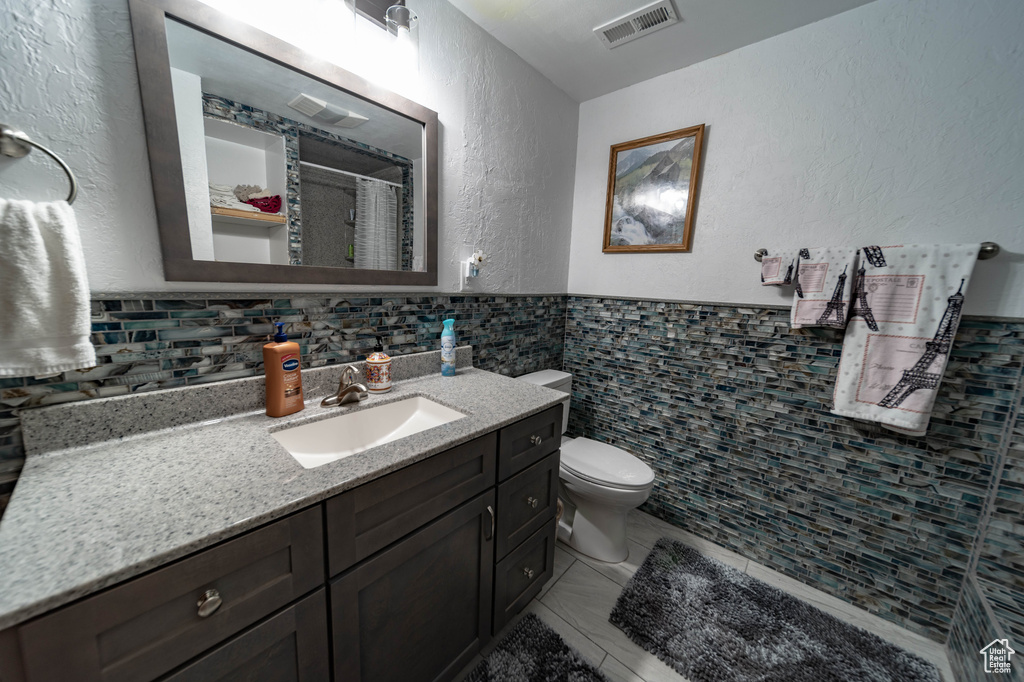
[637,24]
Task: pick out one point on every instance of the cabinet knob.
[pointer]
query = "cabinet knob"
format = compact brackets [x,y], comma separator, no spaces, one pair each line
[209,603]
[528,572]
[535,440]
[532,501]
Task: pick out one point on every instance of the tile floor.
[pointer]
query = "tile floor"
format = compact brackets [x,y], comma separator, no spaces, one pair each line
[576,603]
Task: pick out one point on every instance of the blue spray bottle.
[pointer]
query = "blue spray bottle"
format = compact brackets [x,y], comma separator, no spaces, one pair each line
[448,349]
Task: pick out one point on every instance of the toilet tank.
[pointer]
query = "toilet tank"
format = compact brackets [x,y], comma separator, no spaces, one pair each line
[560,381]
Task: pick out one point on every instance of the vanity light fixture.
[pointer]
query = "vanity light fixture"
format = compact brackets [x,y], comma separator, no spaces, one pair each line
[326,112]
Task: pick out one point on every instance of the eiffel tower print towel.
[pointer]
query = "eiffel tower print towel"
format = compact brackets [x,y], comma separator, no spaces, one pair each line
[824,280]
[906,308]
[778,268]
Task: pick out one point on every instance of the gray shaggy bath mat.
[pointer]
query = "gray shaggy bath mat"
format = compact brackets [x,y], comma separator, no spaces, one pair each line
[712,623]
[533,652]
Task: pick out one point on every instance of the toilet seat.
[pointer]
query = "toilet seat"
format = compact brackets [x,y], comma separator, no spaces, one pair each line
[605,465]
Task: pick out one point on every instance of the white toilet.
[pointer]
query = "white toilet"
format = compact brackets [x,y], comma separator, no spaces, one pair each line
[599,485]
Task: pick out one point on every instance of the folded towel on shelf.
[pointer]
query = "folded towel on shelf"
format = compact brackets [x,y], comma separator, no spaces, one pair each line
[824,279]
[44,312]
[247,192]
[779,269]
[907,302]
[266,204]
[224,196]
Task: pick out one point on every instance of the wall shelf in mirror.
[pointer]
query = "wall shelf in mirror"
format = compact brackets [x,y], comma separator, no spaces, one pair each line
[217,98]
[239,217]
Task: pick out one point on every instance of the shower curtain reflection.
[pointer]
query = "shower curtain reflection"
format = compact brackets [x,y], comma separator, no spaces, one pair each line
[376,233]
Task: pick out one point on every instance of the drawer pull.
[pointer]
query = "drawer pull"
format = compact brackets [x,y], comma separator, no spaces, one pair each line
[535,440]
[532,501]
[209,604]
[528,572]
[490,510]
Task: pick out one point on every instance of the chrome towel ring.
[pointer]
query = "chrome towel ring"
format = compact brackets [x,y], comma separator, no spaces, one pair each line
[16,144]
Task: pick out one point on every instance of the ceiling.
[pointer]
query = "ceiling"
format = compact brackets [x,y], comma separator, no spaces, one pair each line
[556,36]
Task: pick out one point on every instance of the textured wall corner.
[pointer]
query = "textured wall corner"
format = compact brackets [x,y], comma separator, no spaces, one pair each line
[896,122]
[507,145]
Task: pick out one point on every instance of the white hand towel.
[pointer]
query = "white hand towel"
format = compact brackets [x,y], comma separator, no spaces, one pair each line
[907,302]
[44,310]
[778,269]
[824,280]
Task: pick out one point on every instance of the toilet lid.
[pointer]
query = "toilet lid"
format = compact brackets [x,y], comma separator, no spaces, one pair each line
[605,464]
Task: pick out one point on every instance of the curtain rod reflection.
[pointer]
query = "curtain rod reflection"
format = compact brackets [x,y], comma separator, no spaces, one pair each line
[354,175]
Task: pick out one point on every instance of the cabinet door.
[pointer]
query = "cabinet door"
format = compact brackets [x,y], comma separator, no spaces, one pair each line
[420,610]
[520,576]
[290,646]
[365,520]
[528,441]
[525,503]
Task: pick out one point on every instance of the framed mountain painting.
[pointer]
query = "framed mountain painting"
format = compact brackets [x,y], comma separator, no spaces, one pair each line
[652,189]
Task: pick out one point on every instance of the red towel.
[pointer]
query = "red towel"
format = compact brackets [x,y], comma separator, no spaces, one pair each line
[267,204]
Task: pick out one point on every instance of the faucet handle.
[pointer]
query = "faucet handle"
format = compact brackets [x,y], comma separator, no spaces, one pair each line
[349,375]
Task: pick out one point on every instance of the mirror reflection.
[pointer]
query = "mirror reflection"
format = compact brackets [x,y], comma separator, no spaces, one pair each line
[283,169]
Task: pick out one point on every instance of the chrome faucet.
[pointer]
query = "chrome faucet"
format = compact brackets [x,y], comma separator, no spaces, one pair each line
[348,390]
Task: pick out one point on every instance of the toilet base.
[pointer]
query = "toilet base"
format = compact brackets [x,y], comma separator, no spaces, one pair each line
[597,531]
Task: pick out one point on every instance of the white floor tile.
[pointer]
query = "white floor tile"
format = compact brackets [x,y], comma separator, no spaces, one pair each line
[613,669]
[563,560]
[646,530]
[590,651]
[620,572]
[584,599]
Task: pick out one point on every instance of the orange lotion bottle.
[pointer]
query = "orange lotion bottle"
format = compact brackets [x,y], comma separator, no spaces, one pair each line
[284,381]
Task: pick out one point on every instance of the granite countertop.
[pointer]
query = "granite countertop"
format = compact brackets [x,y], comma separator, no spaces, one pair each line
[88,516]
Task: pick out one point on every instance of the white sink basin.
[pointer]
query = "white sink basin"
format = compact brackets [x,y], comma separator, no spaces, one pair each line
[327,440]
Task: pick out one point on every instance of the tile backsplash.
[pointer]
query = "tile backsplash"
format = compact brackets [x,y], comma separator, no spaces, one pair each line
[726,403]
[166,340]
[731,409]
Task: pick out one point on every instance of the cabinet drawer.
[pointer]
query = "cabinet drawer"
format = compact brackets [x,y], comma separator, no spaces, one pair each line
[368,518]
[421,609]
[144,628]
[519,576]
[526,502]
[290,646]
[528,441]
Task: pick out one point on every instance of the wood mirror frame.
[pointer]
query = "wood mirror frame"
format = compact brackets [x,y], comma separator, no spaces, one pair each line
[152,57]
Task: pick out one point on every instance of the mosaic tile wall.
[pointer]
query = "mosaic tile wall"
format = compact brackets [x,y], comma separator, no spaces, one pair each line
[731,410]
[178,340]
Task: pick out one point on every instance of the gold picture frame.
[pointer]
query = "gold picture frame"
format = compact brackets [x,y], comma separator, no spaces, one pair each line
[645,211]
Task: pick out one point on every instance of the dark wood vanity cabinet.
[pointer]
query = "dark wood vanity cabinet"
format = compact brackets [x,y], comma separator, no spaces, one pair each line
[420,610]
[404,578]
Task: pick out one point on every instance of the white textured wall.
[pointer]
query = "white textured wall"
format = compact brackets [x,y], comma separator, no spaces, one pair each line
[508,136]
[898,121]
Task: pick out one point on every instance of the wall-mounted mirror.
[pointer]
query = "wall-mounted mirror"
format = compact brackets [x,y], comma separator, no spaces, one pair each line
[270,165]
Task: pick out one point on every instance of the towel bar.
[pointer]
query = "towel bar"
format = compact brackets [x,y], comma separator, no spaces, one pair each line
[988,250]
[16,144]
